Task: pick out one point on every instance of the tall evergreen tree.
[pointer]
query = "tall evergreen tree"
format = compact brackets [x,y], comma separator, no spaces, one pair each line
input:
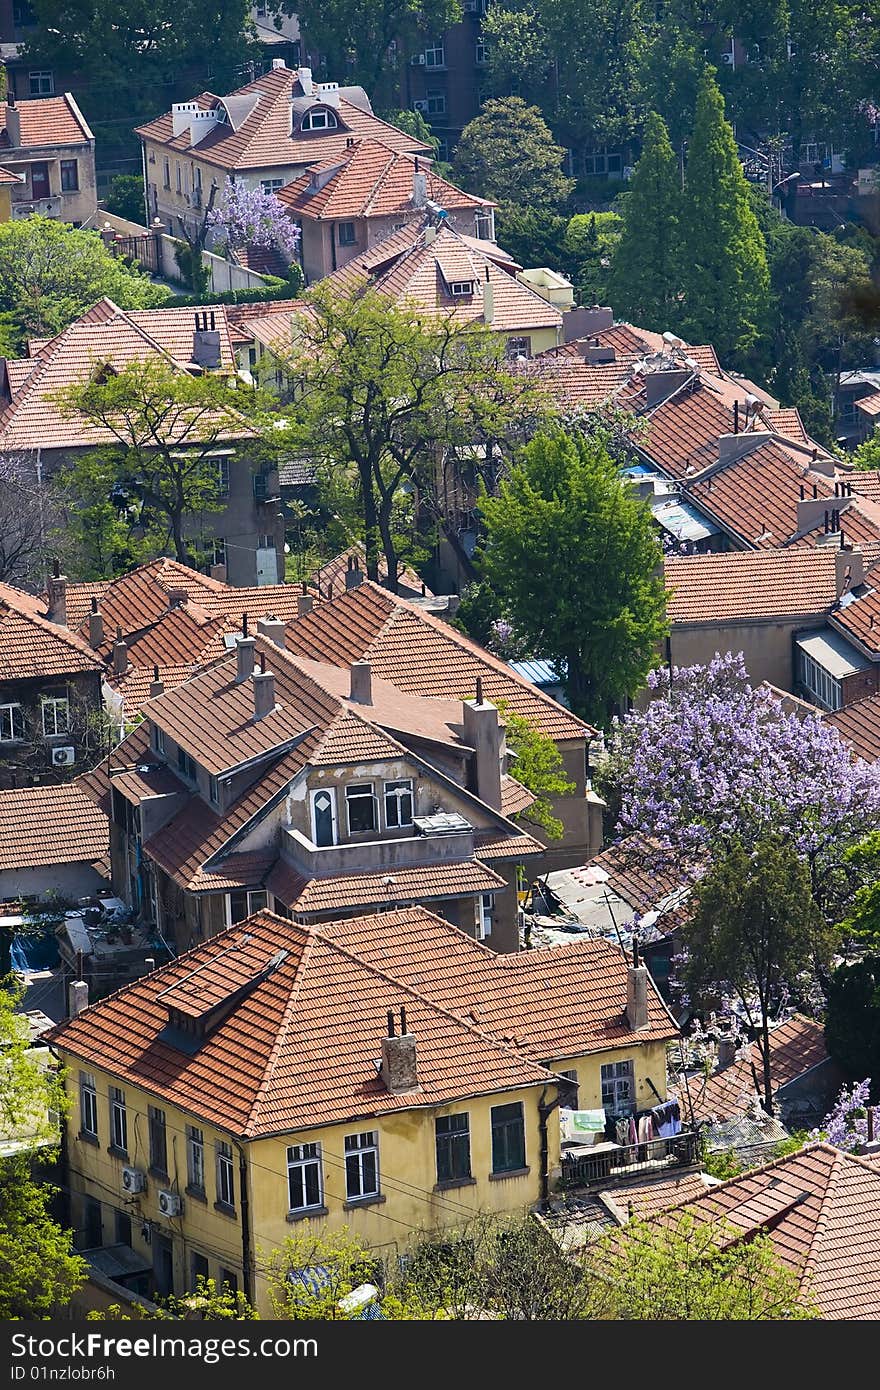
[725,280]
[645,280]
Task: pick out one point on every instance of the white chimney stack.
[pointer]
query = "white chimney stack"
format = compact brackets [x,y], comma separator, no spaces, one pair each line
[77,998]
[637,993]
[398,1069]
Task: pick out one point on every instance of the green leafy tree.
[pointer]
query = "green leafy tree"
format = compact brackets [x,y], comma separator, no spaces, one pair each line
[135,57]
[534,236]
[51,273]
[678,1268]
[207,1303]
[646,278]
[538,766]
[520,62]
[867,455]
[598,48]
[125,197]
[573,555]
[852,1023]
[592,242]
[755,934]
[38,1270]
[507,153]
[166,424]
[414,124]
[361,41]
[726,280]
[382,390]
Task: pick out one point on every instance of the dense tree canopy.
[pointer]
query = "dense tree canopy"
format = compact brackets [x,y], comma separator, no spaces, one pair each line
[647,272]
[508,153]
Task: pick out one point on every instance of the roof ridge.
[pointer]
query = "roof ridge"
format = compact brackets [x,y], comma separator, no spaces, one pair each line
[251,1122]
[386,168]
[64,634]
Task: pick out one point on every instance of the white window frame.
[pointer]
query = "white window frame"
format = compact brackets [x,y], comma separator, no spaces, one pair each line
[251,906]
[8,713]
[827,691]
[225,1174]
[41,83]
[158,739]
[223,477]
[53,702]
[435,54]
[360,794]
[481,52]
[518,347]
[331,792]
[618,1083]
[166,173]
[393,793]
[88,1105]
[460,288]
[179,176]
[195,1158]
[300,1159]
[485,915]
[271,185]
[328,119]
[357,1146]
[214,790]
[118,1120]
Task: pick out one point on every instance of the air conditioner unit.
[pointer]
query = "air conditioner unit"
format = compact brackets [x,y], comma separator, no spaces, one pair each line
[728,58]
[170,1204]
[63,757]
[133,1180]
[418,60]
[420,106]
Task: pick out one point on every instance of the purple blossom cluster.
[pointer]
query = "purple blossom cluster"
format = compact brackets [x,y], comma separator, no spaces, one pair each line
[712,757]
[249,217]
[846,1126]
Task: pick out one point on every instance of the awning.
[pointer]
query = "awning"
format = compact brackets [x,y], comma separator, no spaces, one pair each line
[683,521]
[832,652]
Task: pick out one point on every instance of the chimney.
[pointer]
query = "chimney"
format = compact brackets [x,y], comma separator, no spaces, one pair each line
[206,343]
[353,573]
[849,569]
[177,597]
[120,654]
[726,1051]
[420,186]
[736,446]
[304,604]
[596,353]
[273,628]
[56,594]
[398,1070]
[583,323]
[264,690]
[305,80]
[218,571]
[361,683]
[430,233]
[244,650]
[77,998]
[156,686]
[810,511]
[488,299]
[636,993]
[484,734]
[96,626]
[278,63]
[13,122]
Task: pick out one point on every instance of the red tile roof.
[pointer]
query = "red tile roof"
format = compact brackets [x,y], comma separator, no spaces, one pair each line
[369,180]
[421,655]
[32,646]
[382,888]
[859,724]
[330,578]
[750,585]
[276,1063]
[8,176]
[795,1047]
[263,139]
[821,1209]
[43,826]
[756,497]
[45,121]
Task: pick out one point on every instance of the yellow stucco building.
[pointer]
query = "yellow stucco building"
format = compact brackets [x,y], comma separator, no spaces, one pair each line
[384,1073]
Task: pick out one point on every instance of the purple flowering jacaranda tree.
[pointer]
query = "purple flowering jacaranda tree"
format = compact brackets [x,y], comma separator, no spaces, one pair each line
[716,758]
[846,1126]
[249,217]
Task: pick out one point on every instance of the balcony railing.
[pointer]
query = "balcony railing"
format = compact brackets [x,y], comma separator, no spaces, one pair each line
[624,1160]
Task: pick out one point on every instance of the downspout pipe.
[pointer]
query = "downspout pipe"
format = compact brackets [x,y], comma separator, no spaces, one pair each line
[246,1249]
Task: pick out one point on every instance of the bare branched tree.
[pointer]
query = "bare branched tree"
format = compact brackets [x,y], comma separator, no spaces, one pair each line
[30,513]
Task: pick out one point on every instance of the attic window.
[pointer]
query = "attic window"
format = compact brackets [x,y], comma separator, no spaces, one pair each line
[319,119]
[458,288]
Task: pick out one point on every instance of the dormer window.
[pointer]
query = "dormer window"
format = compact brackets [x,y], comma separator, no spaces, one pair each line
[459,288]
[187,765]
[319,119]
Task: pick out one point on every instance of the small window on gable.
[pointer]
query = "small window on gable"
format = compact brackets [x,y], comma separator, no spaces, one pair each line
[321,118]
[458,288]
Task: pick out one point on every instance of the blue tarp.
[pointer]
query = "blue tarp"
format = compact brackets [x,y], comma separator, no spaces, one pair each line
[37,952]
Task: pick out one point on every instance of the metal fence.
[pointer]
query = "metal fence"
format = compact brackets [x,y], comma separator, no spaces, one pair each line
[681,1151]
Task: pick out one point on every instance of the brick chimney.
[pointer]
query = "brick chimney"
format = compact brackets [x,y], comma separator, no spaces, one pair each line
[304,604]
[177,598]
[156,687]
[726,1051]
[399,1058]
[77,997]
[244,649]
[96,626]
[636,993]
[13,122]
[273,628]
[484,734]
[361,683]
[120,654]
[849,569]
[264,690]
[488,299]
[353,574]
[56,594]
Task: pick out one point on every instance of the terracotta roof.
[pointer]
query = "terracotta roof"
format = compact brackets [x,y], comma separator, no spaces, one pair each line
[515,797]
[490,846]
[859,724]
[383,888]
[406,265]
[7,176]
[859,619]
[795,1047]
[42,826]
[369,180]
[576,381]
[627,338]
[746,585]
[105,333]
[756,497]
[645,1199]
[421,655]
[787,422]
[263,139]
[866,482]
[869,405]
[31,645]
[331,576]
[134,686]
[45,121]
[275,1062]
[634,874]
[821,1208]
